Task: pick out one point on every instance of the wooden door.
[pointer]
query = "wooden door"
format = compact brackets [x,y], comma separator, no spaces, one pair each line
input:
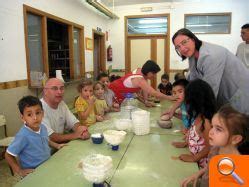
[147,48]
[99,56]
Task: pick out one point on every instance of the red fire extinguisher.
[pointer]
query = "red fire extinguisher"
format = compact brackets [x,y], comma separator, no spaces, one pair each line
[109,53]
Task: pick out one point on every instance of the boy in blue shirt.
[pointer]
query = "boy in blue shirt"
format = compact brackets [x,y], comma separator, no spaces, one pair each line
[31,143]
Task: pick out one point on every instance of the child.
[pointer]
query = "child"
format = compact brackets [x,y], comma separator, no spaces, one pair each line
[109,94]
[84,104]
[229,135]
[179,76]
[201,106]
[165,86]
[178,91]
[100,105]
[114,77]
[31,143]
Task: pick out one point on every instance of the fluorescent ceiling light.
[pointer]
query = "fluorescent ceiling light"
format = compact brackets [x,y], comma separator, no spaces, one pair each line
[200,25]
[102,8]
[151,27]
[33,35]
[150,21]
[155,33]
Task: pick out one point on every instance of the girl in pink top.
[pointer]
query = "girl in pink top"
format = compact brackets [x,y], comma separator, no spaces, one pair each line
[201,106]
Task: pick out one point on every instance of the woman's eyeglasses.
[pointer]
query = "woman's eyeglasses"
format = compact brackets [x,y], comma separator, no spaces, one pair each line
[182,43]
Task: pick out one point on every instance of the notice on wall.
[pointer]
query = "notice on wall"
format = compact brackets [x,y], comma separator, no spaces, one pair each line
[36,78]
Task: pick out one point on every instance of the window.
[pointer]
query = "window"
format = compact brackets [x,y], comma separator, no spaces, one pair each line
[77,52]
[35,68]
[217,23]
[147,25]
[52,44]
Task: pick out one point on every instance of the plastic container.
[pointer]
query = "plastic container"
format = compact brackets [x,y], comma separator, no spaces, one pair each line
[97,168]
[114,137]
[128,105]
[123,124]
[141,122]
[97,138]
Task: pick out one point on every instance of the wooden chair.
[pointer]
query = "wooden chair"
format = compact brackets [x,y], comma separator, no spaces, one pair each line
[5,142]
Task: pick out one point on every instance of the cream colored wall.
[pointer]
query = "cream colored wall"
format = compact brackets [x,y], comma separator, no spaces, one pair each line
[12,37]
[140,52]
[8,107]
[12,47]
[238,8]
[10,97]
[12,55]
[160,58]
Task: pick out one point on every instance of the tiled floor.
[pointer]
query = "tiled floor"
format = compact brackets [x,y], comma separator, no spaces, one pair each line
[6,179]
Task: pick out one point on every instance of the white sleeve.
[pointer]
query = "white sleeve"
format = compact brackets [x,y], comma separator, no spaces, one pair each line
[47,124]
[46,120]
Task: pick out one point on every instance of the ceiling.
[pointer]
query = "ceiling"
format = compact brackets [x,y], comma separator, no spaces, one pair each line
[109,3]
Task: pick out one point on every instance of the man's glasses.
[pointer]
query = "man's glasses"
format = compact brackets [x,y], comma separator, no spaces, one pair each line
[55,88]
[182,43]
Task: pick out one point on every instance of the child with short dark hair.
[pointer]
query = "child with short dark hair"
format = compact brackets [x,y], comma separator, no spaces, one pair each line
[31,143]
[229,135]
[179,76]
[165,86]
[114,77]
[178,90]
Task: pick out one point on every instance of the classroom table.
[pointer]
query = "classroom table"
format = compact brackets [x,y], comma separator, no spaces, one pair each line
[140,161]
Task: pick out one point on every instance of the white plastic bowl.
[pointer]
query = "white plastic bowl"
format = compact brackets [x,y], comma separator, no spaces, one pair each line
[114,137]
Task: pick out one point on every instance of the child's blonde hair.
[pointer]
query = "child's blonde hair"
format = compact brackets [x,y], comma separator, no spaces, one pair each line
[83,84]
[237,124]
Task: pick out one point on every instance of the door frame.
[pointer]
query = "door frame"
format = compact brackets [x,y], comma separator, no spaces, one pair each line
[153,38]
[101,51]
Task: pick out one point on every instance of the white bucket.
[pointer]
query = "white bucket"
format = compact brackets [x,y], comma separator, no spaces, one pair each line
[58,73]
[141,122]
[97,168]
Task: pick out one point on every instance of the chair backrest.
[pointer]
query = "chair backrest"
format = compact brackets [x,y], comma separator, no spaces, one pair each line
[3,124]
[2,120]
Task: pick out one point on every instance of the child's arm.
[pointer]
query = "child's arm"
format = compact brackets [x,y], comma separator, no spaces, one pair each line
[204,152]
[143,84]
[99,118]
[193,178]
[107,109]
[115,106]
[15,165]
[172,110]
[55,145]
[180,144]
[144,99]
[84,114]
[178,115]
[205,135]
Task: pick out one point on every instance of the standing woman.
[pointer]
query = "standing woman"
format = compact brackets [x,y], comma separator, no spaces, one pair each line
[136,81]
[226,74]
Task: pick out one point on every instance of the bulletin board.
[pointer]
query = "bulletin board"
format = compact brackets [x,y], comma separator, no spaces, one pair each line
[89,44]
